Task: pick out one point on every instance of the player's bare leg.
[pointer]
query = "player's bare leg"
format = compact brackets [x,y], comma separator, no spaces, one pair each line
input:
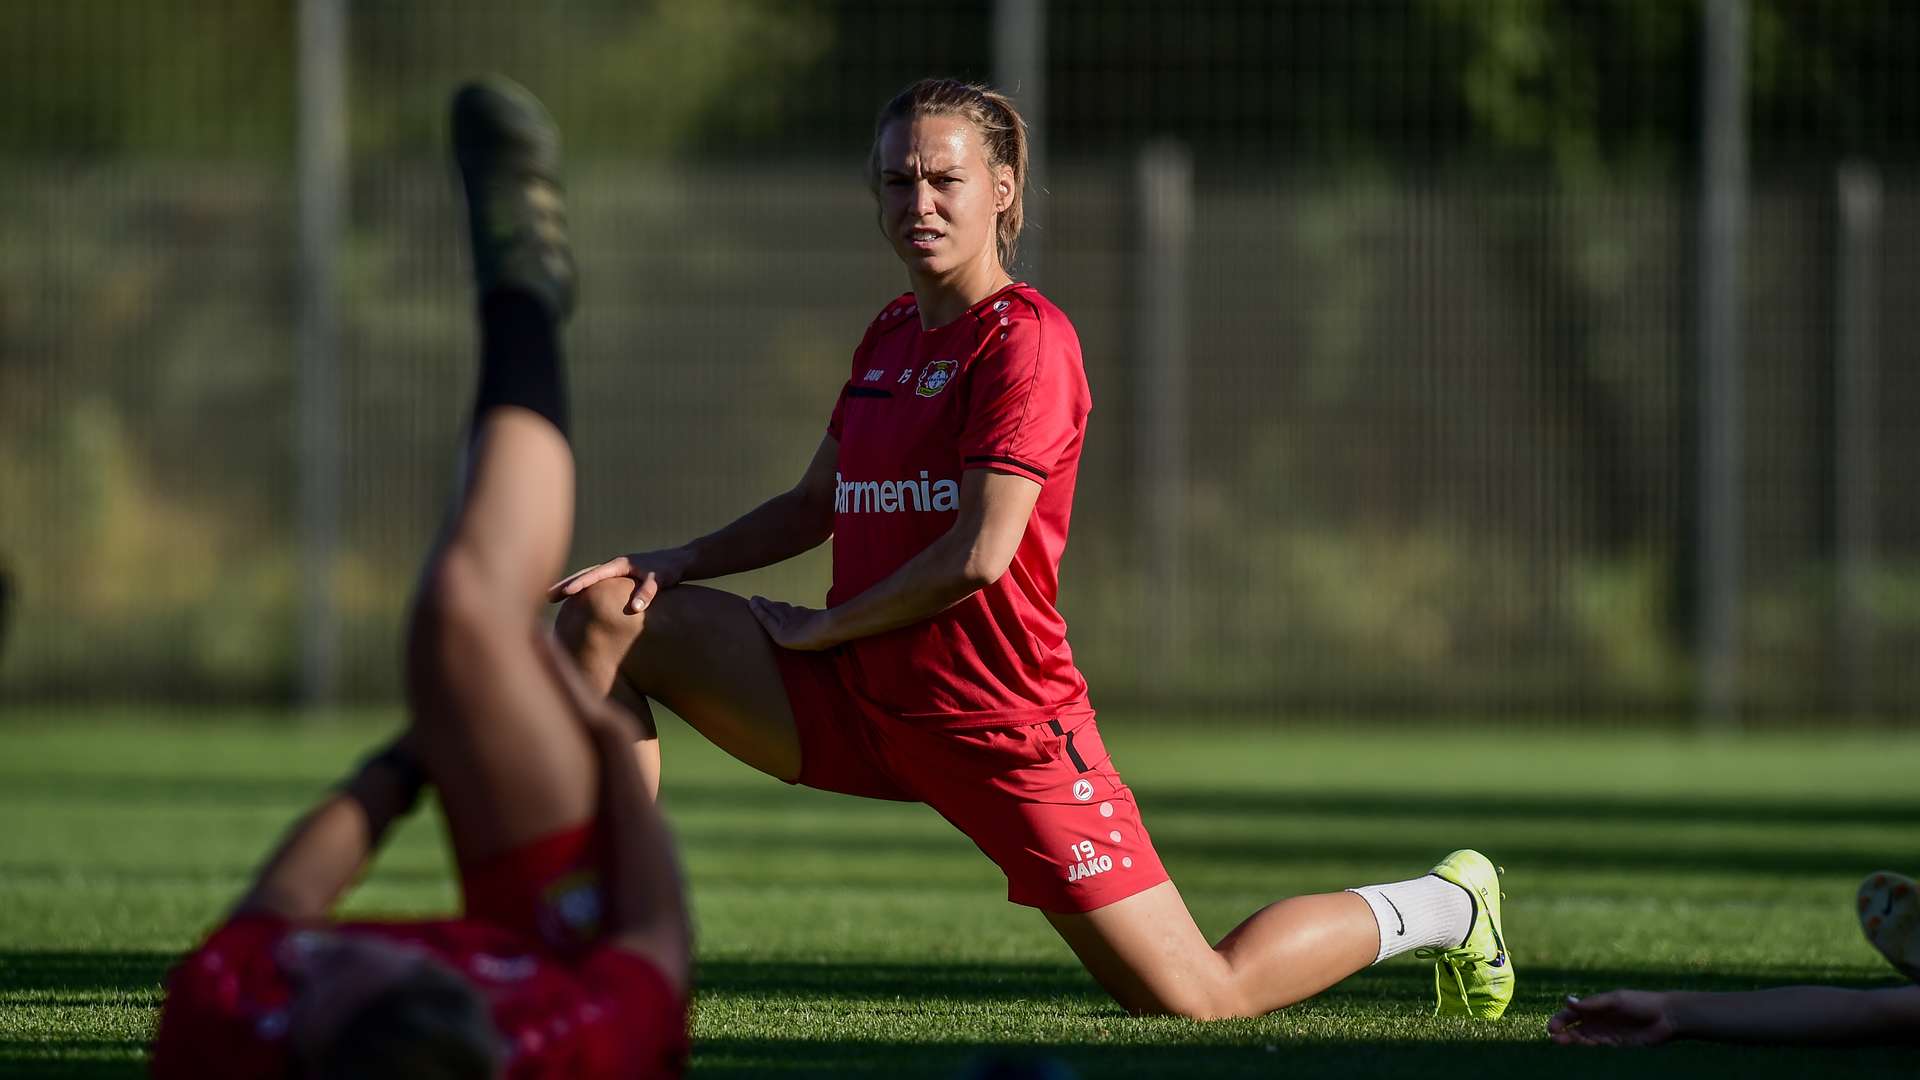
[498,736]
[699,652]
[1147,952]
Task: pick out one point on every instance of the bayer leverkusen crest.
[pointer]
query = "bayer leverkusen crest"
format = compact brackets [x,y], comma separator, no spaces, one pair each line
[936,377]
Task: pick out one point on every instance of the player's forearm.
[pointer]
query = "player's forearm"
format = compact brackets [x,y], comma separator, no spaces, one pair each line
[780,528]
[948,571]
[1798,1014]
[329,847]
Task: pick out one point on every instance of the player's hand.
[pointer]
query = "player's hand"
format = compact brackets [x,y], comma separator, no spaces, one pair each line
[1615,1018]
[651,571]
[791,627]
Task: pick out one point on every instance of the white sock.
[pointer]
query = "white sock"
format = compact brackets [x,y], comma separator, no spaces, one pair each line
[1426,912]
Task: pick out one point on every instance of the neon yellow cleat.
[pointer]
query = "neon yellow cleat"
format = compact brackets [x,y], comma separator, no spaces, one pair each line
[1890,915]
[1475,978]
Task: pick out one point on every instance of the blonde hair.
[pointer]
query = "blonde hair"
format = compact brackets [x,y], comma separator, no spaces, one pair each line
[1001,129]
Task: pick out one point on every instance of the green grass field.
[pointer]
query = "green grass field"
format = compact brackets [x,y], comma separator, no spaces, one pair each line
[840,937]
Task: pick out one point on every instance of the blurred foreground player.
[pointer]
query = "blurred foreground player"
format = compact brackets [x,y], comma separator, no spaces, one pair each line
[1890,916]
[571,958]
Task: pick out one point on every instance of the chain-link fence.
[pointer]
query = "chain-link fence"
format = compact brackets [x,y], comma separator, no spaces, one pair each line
[1436,429]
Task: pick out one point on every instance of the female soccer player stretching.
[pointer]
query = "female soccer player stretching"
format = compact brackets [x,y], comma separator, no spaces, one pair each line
[571,958]
[939,670]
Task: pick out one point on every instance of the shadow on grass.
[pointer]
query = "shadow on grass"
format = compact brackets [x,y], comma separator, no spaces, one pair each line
[83,977]
[1590,850]
[902,979]
[77,980]
[1587,847]
[1439,1056]
[1183,852]
[77,972]
[1580,808]
[1391,987]
[752,792]
[109,790]
[230,877]
[1109,1044]
[71,1059]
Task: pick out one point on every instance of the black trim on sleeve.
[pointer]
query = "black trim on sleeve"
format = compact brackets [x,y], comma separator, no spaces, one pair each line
[996,459]
[868,391]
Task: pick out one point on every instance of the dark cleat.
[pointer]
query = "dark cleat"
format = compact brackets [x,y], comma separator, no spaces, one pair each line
[508,150]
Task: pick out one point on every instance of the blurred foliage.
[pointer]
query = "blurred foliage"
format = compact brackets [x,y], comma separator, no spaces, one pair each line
[1586,88]
[216,78]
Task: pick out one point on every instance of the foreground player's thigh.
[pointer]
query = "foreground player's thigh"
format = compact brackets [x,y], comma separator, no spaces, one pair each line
[509,760]
[701,653]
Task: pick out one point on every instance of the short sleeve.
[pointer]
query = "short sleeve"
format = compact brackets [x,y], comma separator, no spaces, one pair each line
[644,1019]
[1026,401]
[836,423]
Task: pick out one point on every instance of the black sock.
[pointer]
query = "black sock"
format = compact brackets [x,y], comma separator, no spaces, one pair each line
[520,358]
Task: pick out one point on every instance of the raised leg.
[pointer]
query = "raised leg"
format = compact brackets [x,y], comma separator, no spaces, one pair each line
[500,741]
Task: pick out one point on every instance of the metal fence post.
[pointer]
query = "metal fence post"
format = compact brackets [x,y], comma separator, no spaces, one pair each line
[322,164]
[1020,71]
[1858,191]
[1165,187]
[1723,208]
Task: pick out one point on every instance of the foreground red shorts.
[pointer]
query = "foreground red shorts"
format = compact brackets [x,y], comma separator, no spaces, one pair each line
[1041,799]
[547,889]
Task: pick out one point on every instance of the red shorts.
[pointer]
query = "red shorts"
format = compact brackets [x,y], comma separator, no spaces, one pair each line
[1041,799]
[547,889]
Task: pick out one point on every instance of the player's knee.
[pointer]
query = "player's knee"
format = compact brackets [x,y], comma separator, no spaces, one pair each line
[597,614]
[457,600]
[1190,1001]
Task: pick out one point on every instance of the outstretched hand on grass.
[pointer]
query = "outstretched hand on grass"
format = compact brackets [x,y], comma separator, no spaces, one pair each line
[1615,1018]
[651,572]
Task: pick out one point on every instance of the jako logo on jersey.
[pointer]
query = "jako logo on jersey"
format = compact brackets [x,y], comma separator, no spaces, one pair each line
[936,377]
[894,496]
[1086,868]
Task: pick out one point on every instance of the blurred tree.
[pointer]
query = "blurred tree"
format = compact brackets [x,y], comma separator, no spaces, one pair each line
[623,79]
[1593,88]
[163,78]
[215,78]
[1585,87]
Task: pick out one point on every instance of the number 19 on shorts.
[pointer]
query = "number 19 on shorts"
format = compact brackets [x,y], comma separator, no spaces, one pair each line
[1085,862]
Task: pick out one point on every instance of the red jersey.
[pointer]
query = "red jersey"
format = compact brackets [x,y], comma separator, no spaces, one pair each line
[999,388]
[608,1013]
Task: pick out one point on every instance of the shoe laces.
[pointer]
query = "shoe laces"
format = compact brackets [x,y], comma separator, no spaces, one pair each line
[1452,964]
[1459,980]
